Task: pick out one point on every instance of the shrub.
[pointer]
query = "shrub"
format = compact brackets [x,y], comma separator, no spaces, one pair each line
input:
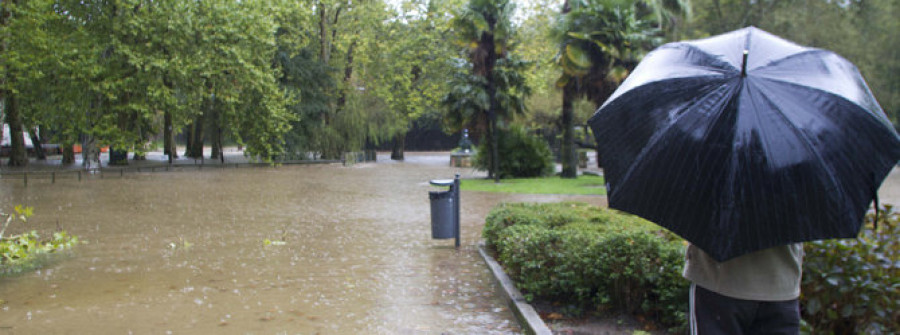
[594,258]
[552,215]
[602,259]
[852,286]
[21,252]
[521,155]
[640,273]
[532,253]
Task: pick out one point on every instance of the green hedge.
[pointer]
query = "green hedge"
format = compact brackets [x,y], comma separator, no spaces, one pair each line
[600,259]
[852,286]
[596,259]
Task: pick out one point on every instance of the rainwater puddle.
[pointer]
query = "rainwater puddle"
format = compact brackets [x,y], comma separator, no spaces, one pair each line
[293,249]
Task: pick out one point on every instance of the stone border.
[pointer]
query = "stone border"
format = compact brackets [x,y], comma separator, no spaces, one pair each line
[528,317]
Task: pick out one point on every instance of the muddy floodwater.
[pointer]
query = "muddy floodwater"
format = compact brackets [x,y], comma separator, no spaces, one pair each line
[186,252]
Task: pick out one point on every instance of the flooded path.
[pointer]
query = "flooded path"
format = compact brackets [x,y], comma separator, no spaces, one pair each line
[186,252]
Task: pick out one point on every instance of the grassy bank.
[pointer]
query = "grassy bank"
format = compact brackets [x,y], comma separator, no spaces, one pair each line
[583,185]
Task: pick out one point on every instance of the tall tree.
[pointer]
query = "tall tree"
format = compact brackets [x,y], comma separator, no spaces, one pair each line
[242,93]
[24,45]
[495,86]
[538,47]
[340,27]
[408,73]
[600,42]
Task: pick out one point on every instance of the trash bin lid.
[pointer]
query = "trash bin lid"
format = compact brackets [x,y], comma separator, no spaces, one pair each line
[442,182]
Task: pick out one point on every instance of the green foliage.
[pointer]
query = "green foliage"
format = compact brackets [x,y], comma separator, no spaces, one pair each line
[479,18]
[22,251]
[601,41]
[507,215]
[852,286]
[591,257]
[636,271]
[494,88]
[601,259]
[538,47]
[365,73]
[521,155]
[409,72]
[106,71]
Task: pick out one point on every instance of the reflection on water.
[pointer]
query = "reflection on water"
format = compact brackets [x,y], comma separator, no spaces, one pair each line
[186,252]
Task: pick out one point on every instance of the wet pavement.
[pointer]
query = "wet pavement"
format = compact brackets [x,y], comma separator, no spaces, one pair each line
[348,252]
[265,250]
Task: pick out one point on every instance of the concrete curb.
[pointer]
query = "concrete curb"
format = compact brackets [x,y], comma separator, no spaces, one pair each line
[528,317]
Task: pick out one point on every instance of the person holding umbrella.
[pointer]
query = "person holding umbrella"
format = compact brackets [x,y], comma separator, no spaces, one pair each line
[757,293]
[745,145]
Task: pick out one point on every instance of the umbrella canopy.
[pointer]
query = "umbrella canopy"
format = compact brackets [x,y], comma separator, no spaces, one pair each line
[745,141]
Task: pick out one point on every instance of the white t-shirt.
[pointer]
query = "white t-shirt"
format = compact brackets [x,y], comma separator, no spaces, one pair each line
[767,275]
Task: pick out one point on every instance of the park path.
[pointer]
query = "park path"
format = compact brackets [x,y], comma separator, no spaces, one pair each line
[187,252]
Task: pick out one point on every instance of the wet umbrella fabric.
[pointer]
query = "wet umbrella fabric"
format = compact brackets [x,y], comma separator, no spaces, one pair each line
[739,153]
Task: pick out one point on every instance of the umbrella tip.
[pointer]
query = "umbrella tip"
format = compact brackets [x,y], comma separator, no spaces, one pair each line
[744,64]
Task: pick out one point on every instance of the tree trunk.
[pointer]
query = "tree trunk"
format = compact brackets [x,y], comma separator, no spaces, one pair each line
[117,156]
[325,45]
[17,154]
[2,117]
[348,74]
[484,66]
[567,149]
[68,154]
[369,150]
[495,151]
[217,151]
[169,137]
[215,134]
[140,147]
[398,147]
[195,139]
[221,146]
[189,138]
[214,139]
[90,154]
[492,137]
[36,143]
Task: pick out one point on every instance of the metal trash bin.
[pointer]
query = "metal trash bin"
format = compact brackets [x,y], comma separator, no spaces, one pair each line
[445,210]
[443,215]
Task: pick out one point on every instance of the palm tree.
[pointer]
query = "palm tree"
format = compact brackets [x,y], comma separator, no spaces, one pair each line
[601,41]
[494,87]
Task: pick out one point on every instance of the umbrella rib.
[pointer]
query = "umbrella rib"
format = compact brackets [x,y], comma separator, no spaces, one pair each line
[810,52]
[660,134]
[807,140]
[760,72]
[874,121]
[767,188]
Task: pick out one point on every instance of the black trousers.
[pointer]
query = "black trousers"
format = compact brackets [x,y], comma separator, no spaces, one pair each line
[713,314]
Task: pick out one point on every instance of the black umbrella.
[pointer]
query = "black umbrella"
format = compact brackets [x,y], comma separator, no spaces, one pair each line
[745,141]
